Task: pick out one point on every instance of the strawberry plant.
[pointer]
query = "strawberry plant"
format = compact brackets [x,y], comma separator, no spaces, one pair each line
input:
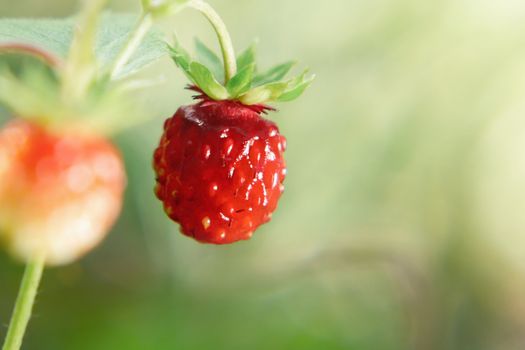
[220,166]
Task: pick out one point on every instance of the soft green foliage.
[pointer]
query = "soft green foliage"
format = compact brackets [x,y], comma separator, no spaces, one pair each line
[247,86]
[56,35]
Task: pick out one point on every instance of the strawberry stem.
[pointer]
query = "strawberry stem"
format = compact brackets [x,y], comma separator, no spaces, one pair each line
[24,304]
[143,26]
[225,41]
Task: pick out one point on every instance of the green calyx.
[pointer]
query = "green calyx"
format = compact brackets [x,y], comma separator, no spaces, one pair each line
[248,85]
[34,92]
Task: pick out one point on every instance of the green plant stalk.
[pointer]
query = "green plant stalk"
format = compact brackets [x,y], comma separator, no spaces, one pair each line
[24,304]
[143,26]
[225,41]
[80,66]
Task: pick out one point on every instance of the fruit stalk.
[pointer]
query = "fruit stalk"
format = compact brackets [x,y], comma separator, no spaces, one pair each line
[24,303]
[225,41]
[143,26]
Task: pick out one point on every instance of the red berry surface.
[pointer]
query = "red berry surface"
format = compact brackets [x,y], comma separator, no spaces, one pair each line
[59,193]
[220,170]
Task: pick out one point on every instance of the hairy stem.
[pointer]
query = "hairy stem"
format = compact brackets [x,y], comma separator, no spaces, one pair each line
[143,26]
[24,304]
[225,41]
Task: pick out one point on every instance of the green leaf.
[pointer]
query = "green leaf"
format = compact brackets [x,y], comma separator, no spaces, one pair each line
[264,93]
[208,58]
[55,35]
[204,79]
[241,82]
[113,35]
[246,57]
[274,74]
[295,90]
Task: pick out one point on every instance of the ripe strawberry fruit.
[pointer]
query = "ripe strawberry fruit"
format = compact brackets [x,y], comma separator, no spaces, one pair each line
[59,193]
[219,165]
[220,170]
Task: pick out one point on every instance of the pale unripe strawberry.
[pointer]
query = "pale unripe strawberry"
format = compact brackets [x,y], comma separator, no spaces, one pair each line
[59,193]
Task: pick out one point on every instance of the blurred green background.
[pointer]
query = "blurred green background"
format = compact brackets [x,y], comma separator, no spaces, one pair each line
[402,225]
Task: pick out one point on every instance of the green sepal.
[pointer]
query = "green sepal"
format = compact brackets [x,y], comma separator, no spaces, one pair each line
[263,93]
[246,57]
[33,92]
[296,87]
[241,82]
[30,93]
[182,58]
[205,80]
[245,86]
[274,74]
[208,58]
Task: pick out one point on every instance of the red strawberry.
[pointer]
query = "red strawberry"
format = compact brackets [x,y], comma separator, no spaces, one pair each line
[220,170]
[59,195]
[220,166]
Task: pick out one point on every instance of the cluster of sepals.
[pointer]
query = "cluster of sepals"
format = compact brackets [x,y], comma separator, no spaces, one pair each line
[248,86]
[38,94]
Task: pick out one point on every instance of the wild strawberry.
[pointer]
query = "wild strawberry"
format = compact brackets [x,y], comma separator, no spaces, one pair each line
[219,165]
[220,170]
[59,193]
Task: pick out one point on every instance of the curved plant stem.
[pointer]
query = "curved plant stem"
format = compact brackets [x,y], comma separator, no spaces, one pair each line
[225,41]
[143,26]
[46,56]
[24,304]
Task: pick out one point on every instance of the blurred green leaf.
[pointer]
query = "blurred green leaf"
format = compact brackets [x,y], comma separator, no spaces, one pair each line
[56,35]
